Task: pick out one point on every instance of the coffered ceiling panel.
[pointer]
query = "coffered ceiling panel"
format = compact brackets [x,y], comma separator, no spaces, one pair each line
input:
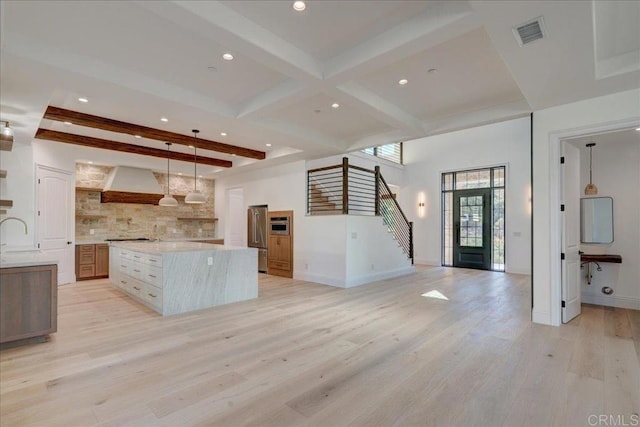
[137,43]
[327,28]
[344,124]
[462,74]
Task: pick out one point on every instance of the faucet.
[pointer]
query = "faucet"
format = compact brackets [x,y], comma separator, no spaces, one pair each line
[17,219]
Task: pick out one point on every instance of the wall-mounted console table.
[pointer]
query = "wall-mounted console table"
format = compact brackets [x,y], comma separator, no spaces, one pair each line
[587,259]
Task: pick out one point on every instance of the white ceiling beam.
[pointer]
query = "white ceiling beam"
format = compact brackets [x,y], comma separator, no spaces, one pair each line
[442,22]
[99,70]
[217,22]
[276,98]
[381,109]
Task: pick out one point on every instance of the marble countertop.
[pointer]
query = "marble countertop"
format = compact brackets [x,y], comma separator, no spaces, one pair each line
[174,239]
[171,247]
[28,258]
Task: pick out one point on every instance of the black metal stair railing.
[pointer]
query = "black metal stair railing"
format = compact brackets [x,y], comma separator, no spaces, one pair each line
[349,189]
[393,217]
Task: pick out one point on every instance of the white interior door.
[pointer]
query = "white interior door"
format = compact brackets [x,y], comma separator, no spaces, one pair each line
[237,218]
[55,227]
[570,232]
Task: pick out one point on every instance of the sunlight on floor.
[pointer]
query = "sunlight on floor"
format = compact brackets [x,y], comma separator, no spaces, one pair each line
[435,294]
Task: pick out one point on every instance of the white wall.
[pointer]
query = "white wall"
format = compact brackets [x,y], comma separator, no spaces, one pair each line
[371,252]
[393,173]
[616,173]
[506,143]
[549,127]
[19,186]
[323,249]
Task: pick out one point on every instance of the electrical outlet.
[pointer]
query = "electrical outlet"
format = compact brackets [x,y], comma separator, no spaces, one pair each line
[210,260]
[92,231]
[354,235]
[175,231]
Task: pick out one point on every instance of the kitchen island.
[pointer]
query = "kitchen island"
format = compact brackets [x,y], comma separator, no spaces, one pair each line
[28,297]
[178,277]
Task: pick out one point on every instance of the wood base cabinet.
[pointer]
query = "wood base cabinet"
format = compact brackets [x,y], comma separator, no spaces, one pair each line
[28,302]
[280,247]
[92,261]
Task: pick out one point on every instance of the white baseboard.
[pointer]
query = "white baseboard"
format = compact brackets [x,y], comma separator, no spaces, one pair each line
[542,317]
[429,262]
[611,300]
[363,280]
[318,278]
[341,283]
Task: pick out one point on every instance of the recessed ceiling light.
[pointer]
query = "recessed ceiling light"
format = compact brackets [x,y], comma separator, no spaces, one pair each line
[227,56]
[432,70]
[137,136]
[164,119]
[268,145]
[90,162]
[83,100]
[223,134]
[67,123]
[335,105]
[638,129]
[299,6]
[403,82]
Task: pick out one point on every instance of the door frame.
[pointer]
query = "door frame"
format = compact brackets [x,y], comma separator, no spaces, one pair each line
[555,200]
[487,197]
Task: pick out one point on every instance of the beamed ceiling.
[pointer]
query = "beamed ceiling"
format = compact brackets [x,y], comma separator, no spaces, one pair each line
[139,61]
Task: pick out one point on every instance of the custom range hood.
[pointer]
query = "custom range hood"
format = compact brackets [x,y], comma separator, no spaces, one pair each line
[131,185]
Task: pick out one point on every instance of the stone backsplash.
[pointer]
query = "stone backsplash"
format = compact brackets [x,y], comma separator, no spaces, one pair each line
[125,220]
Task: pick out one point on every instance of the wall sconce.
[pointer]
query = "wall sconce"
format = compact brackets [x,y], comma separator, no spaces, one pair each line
[421,205]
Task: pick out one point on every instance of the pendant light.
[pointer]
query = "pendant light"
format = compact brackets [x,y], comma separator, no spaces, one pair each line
[168,200]
[590,189]
[195,197]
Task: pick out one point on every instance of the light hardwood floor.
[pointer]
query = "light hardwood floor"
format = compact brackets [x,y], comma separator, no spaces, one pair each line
[310,355]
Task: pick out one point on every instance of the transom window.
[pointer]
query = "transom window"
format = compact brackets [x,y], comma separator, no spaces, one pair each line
[391,152]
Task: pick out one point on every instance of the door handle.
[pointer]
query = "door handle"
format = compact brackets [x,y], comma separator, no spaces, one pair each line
[69,243]
[580,252]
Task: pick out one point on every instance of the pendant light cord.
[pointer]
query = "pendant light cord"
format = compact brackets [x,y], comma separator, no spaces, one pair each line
[195,159]
[168,155]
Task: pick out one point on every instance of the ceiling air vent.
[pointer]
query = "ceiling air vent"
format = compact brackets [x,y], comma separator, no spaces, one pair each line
[530,31]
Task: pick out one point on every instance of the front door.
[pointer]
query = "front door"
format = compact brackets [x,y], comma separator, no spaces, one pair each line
[472,229]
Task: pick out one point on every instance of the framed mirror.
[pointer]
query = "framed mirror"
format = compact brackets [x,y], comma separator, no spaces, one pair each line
[596,220]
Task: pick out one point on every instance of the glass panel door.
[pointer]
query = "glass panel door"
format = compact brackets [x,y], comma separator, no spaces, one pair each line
[472,229]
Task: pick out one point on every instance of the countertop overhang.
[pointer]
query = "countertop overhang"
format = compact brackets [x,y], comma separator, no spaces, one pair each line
[173,247]
[30,258]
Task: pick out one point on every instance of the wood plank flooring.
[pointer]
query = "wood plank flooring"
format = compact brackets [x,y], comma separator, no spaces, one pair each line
[304,354]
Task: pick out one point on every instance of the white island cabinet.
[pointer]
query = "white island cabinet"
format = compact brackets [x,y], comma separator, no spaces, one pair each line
[178,277]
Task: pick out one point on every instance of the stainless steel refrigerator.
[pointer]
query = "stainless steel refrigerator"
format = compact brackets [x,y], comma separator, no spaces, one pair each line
[257,235]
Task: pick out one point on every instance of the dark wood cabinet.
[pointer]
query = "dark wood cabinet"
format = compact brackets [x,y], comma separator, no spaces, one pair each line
[28,303]
[92,261]
[280,248]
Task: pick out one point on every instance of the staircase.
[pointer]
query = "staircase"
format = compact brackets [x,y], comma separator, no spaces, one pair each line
[347,189]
